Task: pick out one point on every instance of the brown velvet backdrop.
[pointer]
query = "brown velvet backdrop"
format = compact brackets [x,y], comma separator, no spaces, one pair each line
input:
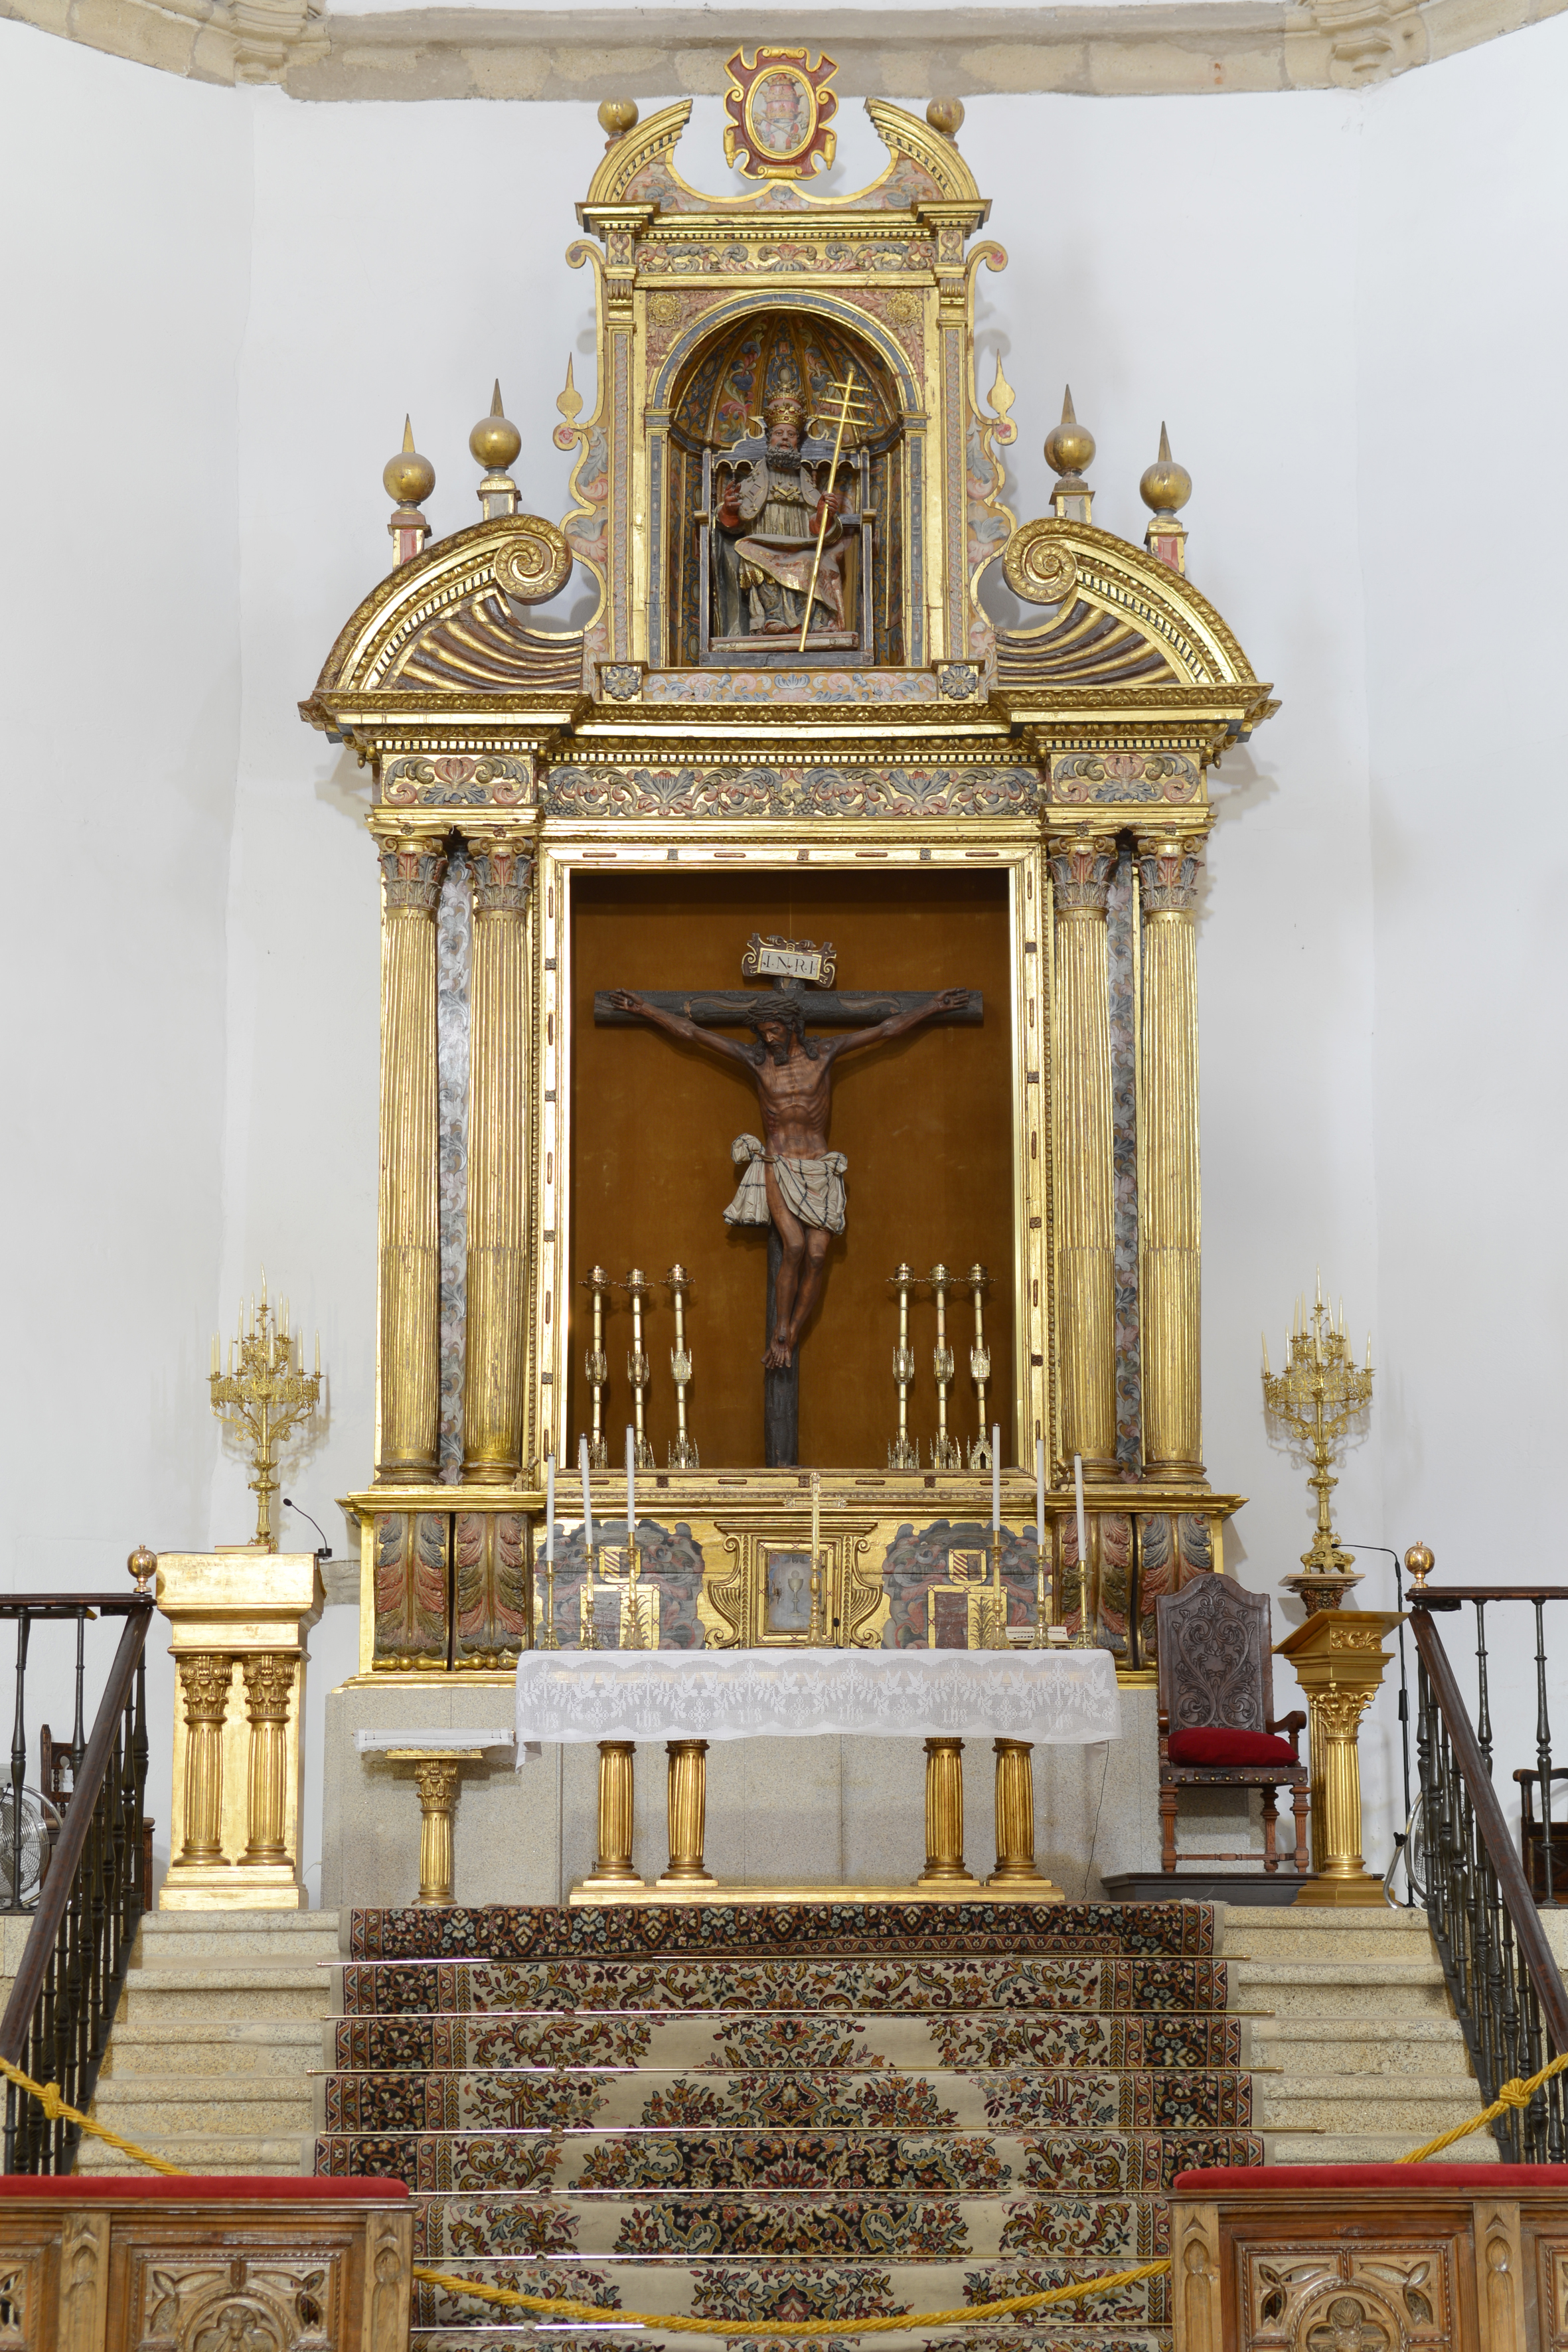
[925,1123]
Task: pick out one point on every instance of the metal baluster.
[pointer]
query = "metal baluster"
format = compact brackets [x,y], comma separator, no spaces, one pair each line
[1483,1711]
[139,1773]
[18,1759]
[1544,1743]
[78,1732]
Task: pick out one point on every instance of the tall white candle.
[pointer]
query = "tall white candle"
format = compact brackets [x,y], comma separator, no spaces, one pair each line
[588,1506]
[1040,1496]
[1077,1491]
[550,1506]
[996,1479]
[631,1488]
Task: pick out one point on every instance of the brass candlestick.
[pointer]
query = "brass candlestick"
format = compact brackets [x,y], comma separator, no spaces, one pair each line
[945,1451]
[901,1455]
[265,1393]
[596,1363]
[639,1371]
[587,1631]
[991,1611]
[1317,1396]
[682,1453]
[637,1636]
[980,1367]
[547,1639]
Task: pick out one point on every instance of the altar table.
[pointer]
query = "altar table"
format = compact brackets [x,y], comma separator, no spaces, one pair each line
[689,1697]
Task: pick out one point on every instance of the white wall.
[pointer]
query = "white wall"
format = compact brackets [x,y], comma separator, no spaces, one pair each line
[123,275]
[1306,300]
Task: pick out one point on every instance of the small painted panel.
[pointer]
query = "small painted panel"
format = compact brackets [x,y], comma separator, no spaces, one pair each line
[490,1577]
[671,1566]
[411,1607]
[918,1561]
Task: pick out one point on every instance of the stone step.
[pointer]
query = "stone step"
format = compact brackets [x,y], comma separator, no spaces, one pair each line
[1334,1989]
[185,1938]
[1422,2105]
[217,2151]
[1373,2147]
[147,2107]
[1406,2045]
[247,1991]
[176,2044]
[1254,1932]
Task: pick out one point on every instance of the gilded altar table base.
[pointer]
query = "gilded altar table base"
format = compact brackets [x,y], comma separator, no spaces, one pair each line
[718,1891]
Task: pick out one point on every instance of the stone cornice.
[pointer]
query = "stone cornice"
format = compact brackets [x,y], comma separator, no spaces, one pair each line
[1140,49]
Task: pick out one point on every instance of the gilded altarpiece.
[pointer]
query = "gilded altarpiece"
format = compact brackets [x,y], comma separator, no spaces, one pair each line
[789,714]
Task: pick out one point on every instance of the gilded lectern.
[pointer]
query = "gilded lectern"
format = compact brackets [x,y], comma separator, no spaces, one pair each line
[832,740]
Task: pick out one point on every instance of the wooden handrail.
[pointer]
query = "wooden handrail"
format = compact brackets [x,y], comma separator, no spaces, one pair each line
[1518,1902]
[1437,1596]
[54,1898]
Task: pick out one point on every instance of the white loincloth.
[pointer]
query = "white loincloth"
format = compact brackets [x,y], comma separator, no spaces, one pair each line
[811,1190]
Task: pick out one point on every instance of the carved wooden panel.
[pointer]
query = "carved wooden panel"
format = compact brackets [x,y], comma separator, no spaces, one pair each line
[29,2281]
[1215,1659]
[1552,2290]
[261,2299]
[1397,2295]
[412,1575]
[491,1570]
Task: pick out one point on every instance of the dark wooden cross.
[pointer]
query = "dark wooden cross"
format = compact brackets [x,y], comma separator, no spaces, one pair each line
[793,1080]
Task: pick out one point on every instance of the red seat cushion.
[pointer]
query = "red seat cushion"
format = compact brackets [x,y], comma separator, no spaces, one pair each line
[1214,1745]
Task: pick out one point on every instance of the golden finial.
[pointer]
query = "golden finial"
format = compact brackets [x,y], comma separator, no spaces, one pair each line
[143,1565]
[495,442]
[946,115]
[1165,486]
[494,439]
[569,400]
[617,117]
[408,478]
[1001,396]
[1070,448]
[1419,1561]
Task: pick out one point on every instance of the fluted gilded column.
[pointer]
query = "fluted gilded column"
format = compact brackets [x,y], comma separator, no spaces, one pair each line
[1170,1232]
[268,1687]
[205,1679]
[1083,868]
[408,1347]
[498,1159]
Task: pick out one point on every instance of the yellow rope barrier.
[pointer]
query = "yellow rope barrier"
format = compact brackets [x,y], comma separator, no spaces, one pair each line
[54,2107]
[1515,2094]
[679,2324]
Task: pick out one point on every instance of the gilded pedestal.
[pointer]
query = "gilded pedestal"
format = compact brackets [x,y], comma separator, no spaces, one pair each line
[497,1161]
[613,1862]
[408,1344]
[1081,872]
[1339,1660]
[1015,1873]
[944,1817]
[239,1621]
[687,1801]
[1169,1218]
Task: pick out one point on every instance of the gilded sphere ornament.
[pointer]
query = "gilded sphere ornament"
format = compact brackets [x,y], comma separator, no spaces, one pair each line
[1419,1563]
[494,439]
[1165,486]
[946,115]
[618,116]
[1069,445]
[408,478]
[143,1565]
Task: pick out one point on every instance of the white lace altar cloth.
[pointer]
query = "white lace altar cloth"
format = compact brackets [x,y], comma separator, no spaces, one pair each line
[1062,1697]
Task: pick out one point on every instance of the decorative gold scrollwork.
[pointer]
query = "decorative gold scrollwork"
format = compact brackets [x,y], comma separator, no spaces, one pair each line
[535,564]
[1038,567]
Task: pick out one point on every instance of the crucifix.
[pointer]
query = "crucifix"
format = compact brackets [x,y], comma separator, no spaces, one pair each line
[790,1180]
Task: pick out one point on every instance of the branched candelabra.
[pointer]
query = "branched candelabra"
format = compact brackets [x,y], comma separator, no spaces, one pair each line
[1317,1396]
[263,1393]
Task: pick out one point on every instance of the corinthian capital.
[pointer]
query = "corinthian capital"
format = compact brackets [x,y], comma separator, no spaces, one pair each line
[1083,865]
[413,866]
[1168,871]
[503,872]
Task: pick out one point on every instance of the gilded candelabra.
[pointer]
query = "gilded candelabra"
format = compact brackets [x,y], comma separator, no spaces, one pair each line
[596,1364]
[639,1371]
[901,1455]
[682,1453]
[1317,1396]
[980,1457]
[945,1451]
[816,1633]
[265,1393]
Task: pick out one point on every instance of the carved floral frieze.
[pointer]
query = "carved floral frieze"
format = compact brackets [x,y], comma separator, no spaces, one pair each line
[790,791]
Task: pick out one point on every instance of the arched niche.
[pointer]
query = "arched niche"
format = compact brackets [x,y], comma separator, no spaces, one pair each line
[717,396]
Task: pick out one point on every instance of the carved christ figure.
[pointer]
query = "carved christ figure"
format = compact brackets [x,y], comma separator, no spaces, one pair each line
[790,1178]
[769,525]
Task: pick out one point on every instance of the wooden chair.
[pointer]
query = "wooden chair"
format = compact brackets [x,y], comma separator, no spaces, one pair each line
[1216,1675]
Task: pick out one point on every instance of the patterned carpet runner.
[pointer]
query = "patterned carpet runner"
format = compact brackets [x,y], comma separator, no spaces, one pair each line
[801,2113]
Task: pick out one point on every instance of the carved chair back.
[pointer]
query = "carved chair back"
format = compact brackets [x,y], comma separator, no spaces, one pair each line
[1216,1665]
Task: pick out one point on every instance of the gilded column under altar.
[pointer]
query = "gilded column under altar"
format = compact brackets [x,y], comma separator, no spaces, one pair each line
[408,1347]
[1170,1251]
[498,1159]
[1082,866]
